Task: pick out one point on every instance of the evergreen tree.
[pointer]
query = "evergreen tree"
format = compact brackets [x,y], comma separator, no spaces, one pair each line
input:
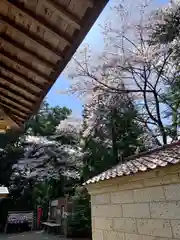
[79,222]
[114,135]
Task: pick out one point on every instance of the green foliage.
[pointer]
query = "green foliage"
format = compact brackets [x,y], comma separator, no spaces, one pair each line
[173,112]
[12,147]
[8,138]
[117,138]
[44,123]
[9,156]
[105,148]
[127,132]
[27,193]
[79,222]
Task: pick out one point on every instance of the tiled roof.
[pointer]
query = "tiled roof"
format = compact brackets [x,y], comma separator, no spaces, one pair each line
[159,157]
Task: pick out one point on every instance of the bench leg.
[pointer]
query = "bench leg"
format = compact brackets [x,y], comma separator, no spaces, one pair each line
[44,228]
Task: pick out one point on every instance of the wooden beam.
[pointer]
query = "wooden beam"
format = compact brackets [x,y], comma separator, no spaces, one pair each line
[13,99]
[3,196]
[15,118]
[32,36]
[7,86]
[65,14]
[9,119]
[14,109]
[23,64]
[19,84]
[20,47]
[19,123]
[12,112]
[19,119]
[9,112]
[25,78]
[87,22]
[45,23]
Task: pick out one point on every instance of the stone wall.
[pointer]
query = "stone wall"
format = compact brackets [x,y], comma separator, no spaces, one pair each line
[141,207]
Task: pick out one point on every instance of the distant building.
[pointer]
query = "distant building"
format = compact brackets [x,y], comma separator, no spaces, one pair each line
[4,192]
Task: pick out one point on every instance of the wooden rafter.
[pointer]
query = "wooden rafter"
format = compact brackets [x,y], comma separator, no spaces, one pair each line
[14,119]
[19,6]
[30,35]
[8,116]
[21,75]
[8,119]
[13,108]
[20,47]
[26,75]
[6,83]
[18,84]
[28,66]
[17,118]
[65,14]
[10,112]
[12,97]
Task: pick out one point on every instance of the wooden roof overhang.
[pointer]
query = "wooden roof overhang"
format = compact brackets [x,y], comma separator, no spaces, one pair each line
[37,40]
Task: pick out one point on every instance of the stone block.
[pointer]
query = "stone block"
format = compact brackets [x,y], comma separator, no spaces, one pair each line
[165,210]
[136,210]
[154,227]
[149,194]
[113,235]
[103,223]
[97,235]
[107,210]
[176,228]
[132,236]
[122,197]
[131,185]
[100,199]
[162,180]
[172,191]
[127,225]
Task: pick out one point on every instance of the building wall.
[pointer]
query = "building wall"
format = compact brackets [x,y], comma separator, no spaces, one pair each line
[141,207]
[62,205]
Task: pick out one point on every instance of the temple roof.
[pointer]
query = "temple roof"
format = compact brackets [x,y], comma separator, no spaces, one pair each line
[38,39]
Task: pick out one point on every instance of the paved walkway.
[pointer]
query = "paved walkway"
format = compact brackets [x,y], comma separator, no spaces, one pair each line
[30,236]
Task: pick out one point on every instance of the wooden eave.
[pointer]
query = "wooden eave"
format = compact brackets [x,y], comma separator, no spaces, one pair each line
[37,40]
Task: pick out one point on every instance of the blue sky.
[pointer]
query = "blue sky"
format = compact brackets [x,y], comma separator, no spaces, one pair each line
[94,39]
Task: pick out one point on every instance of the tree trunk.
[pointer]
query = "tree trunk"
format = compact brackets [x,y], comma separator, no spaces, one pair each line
[114,137]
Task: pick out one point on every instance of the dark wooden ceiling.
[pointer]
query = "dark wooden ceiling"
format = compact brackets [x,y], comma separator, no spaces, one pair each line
[37,40]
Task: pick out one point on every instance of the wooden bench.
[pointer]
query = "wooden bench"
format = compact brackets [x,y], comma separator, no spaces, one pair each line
[51,225]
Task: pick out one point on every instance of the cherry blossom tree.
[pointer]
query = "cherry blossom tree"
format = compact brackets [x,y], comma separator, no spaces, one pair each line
[51,146]
[130,67]
[165,30]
